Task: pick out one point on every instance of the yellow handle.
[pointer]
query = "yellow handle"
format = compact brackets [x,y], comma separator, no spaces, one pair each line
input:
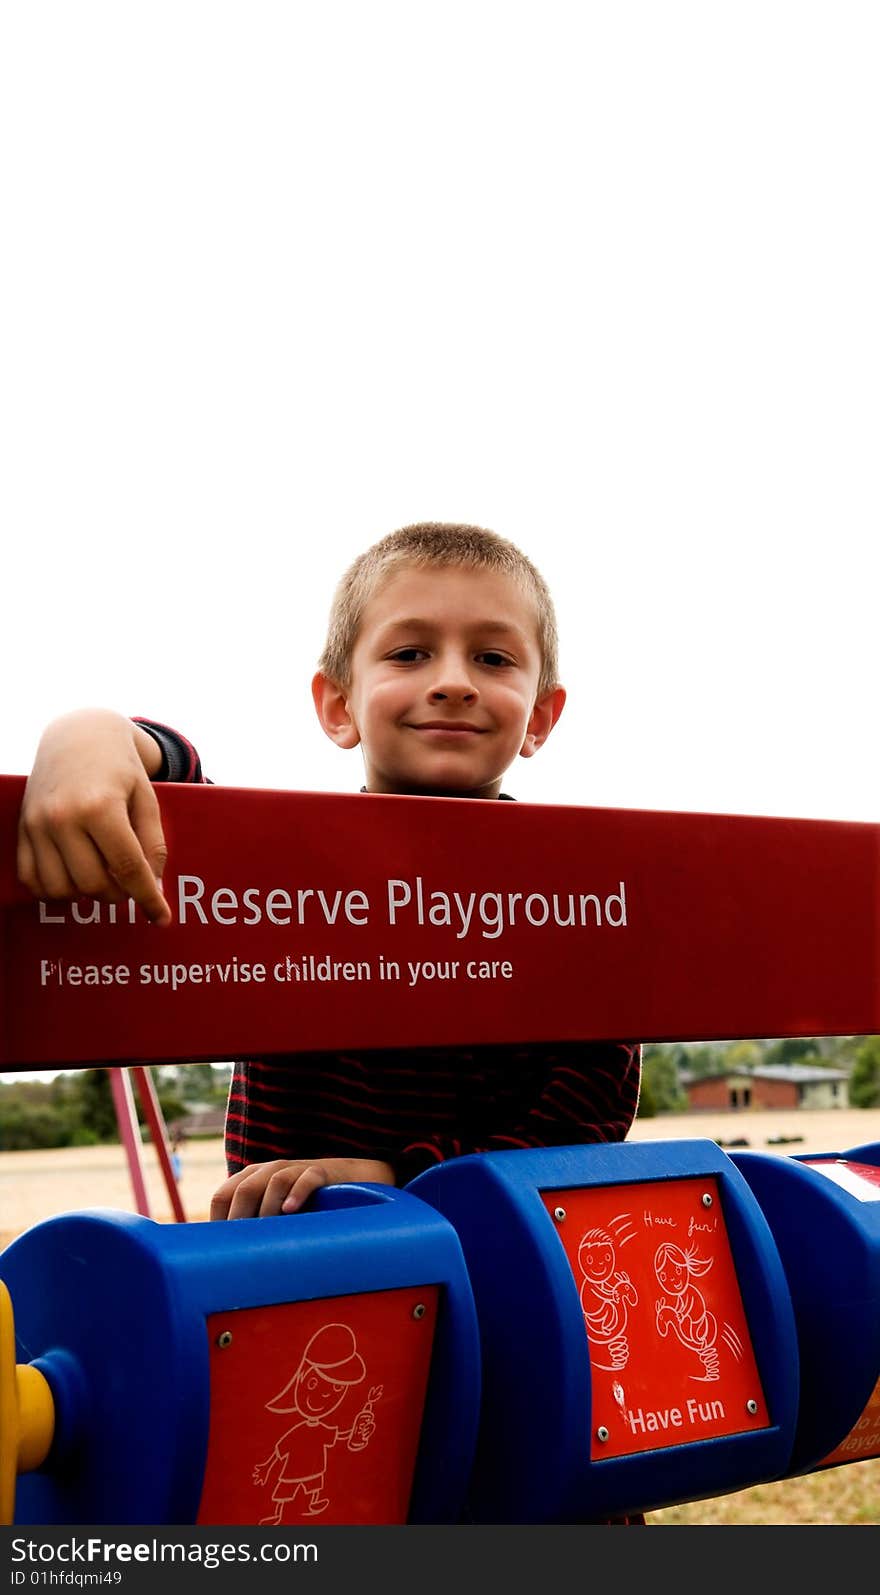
[27,1413]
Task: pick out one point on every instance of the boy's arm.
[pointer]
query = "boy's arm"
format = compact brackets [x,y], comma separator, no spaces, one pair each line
[90,824]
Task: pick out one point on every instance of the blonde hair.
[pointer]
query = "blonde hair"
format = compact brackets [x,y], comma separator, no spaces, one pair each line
[439,544]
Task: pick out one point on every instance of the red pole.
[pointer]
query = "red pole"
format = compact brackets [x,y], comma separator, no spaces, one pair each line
[156,1121]
[129,1129]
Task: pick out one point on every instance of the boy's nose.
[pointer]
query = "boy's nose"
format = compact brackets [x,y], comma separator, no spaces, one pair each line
[453,681]
[460,694]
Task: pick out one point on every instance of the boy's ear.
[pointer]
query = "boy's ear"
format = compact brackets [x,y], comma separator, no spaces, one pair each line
[543,718]
[331,703]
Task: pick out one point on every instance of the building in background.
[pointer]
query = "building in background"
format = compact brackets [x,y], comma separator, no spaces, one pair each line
[772,1085]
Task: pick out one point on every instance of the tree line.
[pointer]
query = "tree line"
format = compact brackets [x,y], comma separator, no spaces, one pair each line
[664,1063]
[76,1108]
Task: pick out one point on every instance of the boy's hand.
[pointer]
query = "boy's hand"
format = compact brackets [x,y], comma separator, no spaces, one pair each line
[90,823]
[265,1189]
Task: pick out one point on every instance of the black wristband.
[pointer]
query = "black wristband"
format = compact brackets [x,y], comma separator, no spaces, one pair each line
[162,772]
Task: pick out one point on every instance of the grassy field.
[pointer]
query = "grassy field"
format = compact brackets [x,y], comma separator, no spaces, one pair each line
[845,1495]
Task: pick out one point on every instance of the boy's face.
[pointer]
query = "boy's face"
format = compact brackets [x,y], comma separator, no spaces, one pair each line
[443,684]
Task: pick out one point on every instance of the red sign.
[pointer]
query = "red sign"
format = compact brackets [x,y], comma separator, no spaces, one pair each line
[671,1357]
[316,1408]
[862,1180]
[863,1440]
[308,921]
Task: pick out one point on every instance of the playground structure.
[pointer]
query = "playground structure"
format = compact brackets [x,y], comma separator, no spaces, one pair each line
[130,1136]
[550,1336]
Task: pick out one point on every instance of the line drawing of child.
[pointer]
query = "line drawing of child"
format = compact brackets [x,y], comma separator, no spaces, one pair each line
[606,1293]
[329,1367]
[687,1313]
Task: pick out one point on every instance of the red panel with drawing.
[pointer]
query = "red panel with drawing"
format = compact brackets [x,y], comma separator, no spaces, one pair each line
[671,1357]
[316,1408]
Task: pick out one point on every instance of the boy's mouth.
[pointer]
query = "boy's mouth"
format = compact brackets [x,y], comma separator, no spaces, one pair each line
[448,728]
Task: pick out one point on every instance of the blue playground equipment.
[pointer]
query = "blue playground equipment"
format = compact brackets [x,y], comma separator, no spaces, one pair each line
[542,1337]
[154,1356]
[824,1215]
[565,1415]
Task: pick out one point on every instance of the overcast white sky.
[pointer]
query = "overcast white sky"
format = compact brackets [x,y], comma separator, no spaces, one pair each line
[277,278]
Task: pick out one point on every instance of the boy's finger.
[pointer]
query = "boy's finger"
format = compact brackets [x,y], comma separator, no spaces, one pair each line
[279,1189]
[25,863]
[126,862]
[86,867]
[247,1199]
[53,880]
[305,1185]
[136,879]
[146,820]
[220,1201]
[241,1195]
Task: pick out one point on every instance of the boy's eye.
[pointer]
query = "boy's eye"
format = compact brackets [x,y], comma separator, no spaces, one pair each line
[408,656]
[490,657]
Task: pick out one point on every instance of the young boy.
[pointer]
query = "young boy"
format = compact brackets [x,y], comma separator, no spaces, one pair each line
[441,666]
